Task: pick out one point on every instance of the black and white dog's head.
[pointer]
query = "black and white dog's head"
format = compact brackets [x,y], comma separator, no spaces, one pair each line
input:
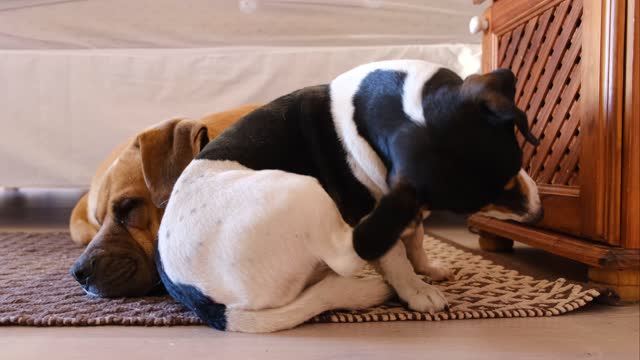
[468,153]
[463,155]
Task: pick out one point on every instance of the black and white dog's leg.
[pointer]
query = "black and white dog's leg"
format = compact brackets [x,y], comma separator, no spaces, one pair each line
[413,238]
[376,238]
[330,293]
[381,229]
[399,273]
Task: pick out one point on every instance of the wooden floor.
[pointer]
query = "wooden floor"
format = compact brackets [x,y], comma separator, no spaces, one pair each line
[598,332]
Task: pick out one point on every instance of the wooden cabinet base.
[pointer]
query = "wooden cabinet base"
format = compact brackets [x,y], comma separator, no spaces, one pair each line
[490,242]
[625,282]
[577,69]
[587,252]
[612,267]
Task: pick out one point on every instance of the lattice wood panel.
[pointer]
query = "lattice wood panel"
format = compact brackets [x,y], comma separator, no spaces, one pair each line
[544,53]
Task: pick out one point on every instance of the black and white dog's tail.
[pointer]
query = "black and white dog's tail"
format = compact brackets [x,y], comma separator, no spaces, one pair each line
[211,312]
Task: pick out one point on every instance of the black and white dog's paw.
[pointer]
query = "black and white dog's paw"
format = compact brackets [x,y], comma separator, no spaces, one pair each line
[425,298]
[435,271]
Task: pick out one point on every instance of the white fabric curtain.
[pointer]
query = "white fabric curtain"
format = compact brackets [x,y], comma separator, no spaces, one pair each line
[78,77]
[90,24]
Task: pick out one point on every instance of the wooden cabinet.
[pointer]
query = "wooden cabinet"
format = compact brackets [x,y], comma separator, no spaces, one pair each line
[576,62]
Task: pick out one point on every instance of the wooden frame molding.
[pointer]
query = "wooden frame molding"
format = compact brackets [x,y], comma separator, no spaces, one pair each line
[489,43]
[511,13]
[569,191]
[630,227]
[586,252]
[602,109]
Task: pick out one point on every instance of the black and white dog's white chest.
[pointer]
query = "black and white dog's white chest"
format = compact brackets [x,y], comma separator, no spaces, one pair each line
[335,133]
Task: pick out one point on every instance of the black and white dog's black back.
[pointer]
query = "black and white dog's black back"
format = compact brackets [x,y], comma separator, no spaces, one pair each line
[265,227]
[295,133]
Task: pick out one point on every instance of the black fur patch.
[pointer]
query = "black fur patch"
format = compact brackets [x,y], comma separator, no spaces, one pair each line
[442,78]
[211,312]
[204,138]
[378,109]
[295,133]
[378,232]
[459,160]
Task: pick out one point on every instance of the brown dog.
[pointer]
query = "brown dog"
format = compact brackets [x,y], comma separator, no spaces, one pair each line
[119,217]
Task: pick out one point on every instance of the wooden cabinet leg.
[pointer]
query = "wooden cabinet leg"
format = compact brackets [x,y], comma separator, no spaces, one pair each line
[493,243]
[625,282]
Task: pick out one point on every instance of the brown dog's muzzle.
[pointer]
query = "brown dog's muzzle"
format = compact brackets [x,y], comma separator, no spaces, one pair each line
[114,265]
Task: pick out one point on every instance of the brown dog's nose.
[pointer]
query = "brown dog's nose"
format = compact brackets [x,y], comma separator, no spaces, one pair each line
[82,270]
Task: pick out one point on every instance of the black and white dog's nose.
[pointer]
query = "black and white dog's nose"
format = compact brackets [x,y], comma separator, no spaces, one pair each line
[536,217]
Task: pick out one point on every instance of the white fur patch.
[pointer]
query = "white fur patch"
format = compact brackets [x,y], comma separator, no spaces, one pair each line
[90,293]
[332,292]
[91,211]
[400,274]
[534,197]
[533,203]
[365,164]
[92,199]
[252,239]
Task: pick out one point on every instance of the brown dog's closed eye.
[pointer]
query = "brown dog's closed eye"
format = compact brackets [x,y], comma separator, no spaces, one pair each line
[122,209]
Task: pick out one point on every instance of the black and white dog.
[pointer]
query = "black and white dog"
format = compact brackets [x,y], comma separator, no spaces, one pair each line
[265,227]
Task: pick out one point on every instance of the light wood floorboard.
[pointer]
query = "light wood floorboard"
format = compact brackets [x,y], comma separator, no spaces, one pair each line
[598,332]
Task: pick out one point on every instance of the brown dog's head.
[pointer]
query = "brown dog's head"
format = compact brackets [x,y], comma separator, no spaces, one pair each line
[125,205]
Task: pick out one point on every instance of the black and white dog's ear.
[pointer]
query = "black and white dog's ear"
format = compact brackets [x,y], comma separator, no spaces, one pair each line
[496,91]
[520,118]
[501,81]
[507,111]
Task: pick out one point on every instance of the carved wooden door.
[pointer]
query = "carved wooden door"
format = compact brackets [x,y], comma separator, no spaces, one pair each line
[569,93]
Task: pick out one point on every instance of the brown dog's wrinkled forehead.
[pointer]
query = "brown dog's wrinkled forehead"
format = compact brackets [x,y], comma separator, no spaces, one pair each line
[148,166]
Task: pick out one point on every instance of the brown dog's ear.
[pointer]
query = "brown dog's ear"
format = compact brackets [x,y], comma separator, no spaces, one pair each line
[165,151]
[496,91]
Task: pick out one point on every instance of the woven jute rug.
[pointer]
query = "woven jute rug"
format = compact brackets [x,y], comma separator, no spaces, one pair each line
[36,289]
